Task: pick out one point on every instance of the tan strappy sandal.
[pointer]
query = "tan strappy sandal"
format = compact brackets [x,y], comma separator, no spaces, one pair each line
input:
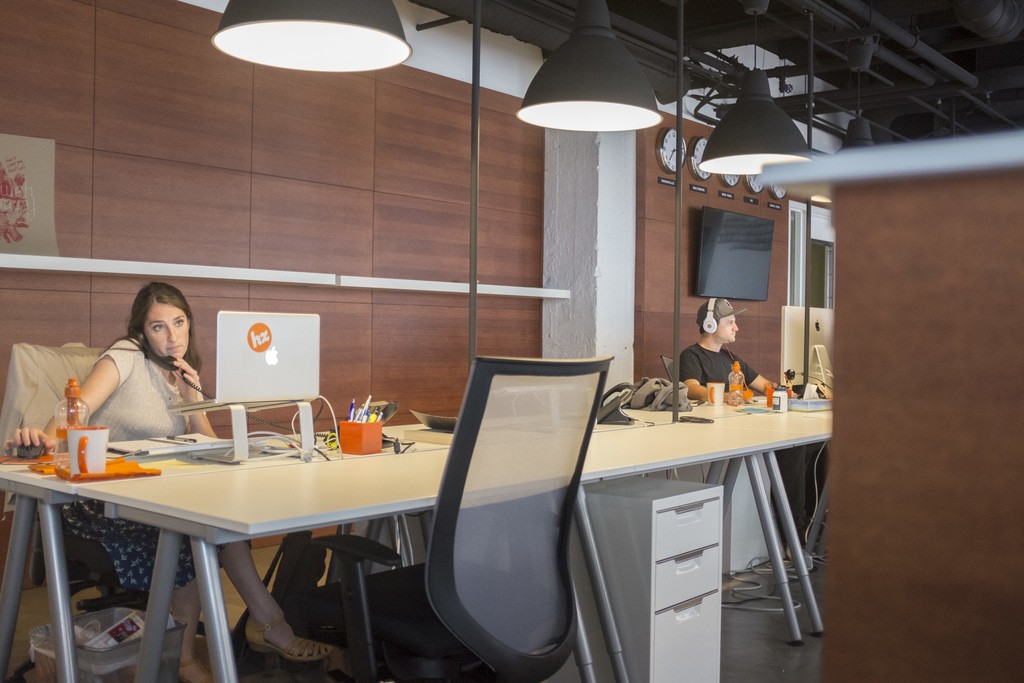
[299,650]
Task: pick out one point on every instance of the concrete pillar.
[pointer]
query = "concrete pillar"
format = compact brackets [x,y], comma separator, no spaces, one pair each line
[590,246]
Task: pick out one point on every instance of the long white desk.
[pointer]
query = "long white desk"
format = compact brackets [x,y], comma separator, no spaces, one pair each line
[223,504]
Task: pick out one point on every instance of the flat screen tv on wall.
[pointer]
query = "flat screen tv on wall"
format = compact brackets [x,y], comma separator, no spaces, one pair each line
[735,257]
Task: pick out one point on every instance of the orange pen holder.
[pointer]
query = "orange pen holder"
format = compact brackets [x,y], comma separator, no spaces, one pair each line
[360,438]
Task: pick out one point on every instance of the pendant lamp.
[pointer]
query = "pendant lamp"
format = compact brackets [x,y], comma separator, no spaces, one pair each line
[314,35]
[590,82]
[753,133]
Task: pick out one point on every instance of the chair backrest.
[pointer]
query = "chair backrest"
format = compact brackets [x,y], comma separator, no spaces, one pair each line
[497,569]
[668,361]
[36,378]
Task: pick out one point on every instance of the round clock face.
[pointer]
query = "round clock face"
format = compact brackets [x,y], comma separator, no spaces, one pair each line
[666,150]
[696,156]
[730,179]
[777,191]
[754,183]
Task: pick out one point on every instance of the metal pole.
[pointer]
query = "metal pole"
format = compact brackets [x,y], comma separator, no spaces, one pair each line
[677,283]
[474,177]
[810,206]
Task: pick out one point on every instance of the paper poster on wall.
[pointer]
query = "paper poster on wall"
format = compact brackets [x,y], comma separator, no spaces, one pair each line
[26,196]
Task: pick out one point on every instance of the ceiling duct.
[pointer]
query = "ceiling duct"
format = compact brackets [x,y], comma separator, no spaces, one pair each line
[999,21]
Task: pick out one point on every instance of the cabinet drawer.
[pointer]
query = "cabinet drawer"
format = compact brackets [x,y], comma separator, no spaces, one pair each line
[686,528]
[683,577]
[686,641]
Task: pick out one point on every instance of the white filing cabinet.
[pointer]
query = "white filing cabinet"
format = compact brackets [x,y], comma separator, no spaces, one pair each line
[658,541]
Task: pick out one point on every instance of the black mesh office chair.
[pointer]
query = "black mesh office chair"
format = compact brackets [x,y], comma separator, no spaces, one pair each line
[494,599]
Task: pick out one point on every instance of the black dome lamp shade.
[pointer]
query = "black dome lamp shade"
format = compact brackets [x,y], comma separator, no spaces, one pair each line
[591,82]
[753,133]
[314,35]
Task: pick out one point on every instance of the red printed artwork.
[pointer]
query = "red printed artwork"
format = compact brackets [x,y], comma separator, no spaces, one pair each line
[13,203]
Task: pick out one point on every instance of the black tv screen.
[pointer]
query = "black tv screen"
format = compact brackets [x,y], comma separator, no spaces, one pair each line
[735,256]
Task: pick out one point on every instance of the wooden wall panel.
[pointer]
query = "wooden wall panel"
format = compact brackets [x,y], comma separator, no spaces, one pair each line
[154,210]
[420,238]
[145,107]
[420,354]
[304,226]
[177,14]
[924,536]
[46,48]
[313,126]
[422,145]
[511,164]
[72,197]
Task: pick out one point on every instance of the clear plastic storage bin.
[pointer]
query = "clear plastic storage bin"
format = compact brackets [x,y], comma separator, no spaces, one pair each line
[115,664]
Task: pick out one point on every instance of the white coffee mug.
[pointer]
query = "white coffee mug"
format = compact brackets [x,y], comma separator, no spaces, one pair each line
[716,393]
[87,446]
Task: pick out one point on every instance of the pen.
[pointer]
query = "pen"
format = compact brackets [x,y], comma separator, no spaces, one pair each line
[362,411]
[352,410]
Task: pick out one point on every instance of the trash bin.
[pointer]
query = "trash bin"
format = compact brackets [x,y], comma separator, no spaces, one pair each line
[115,664]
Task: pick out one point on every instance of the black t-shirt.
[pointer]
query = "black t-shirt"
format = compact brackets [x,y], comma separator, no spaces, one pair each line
[696,362]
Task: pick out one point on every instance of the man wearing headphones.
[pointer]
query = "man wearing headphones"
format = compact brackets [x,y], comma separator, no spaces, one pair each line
[706,361]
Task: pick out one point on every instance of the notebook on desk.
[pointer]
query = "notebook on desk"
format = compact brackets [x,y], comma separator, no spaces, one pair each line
[264,358]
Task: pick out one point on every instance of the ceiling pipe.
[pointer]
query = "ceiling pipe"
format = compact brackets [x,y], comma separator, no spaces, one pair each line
[998,21]
[895,32]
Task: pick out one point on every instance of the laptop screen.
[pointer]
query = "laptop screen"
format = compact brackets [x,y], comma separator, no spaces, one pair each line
[267,356]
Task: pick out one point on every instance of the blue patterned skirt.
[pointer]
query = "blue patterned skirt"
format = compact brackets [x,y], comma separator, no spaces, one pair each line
[131,545]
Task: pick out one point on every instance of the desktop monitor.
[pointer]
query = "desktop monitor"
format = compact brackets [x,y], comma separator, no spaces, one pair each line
[819,365]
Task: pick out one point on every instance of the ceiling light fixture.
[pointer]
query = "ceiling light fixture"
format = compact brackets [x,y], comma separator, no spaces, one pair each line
[858,129]
[754,132]
[590,82]
[314,35]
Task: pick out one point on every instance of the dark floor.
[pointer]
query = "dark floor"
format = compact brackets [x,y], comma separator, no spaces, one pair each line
[755,643]
[754,634]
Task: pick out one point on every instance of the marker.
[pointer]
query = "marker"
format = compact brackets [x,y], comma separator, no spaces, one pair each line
[352,410]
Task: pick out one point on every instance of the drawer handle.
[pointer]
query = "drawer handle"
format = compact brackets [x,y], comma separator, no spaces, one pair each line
[687,614]
[688,565]
[684,517]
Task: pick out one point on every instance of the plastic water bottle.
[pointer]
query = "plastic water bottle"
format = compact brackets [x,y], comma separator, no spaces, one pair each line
[736,380]
[72,411]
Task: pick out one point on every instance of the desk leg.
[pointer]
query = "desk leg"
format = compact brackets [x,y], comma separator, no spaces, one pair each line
[789,527]
[165,567]
[732,473]
[816,522]
[215,618]
[584,658]
[604,604]
[59,592]
[771,537]
[14,574]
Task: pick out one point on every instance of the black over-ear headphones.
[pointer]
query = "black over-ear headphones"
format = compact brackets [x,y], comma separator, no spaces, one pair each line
[710,324]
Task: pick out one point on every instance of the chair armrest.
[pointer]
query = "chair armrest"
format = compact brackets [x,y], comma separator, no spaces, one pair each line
[351,548]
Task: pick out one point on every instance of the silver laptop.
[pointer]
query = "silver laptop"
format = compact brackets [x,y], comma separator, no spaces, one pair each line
[265,358]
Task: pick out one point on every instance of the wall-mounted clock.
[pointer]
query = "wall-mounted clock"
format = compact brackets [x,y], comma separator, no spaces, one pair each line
[729,179]
[696,156]
[666,150]
[777,191]
[754,182]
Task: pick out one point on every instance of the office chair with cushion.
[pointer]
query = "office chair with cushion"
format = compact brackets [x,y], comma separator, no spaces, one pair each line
[494,599]
[36,378]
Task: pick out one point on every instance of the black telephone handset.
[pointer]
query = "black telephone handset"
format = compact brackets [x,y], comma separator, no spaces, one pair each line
[164,362]
[610,411]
